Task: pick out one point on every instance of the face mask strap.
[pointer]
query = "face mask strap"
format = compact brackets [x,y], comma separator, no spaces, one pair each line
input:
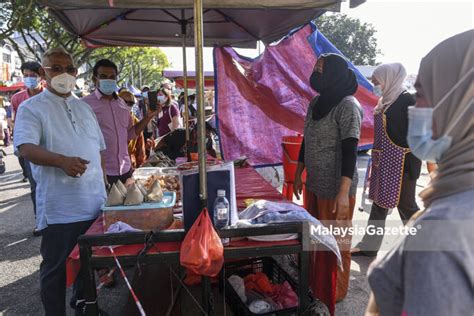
[455,122]
[460,81]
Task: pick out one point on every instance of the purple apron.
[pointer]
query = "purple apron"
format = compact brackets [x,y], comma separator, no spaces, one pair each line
[388,160]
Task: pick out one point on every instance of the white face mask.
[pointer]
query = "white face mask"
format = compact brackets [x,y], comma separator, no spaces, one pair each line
[420,129]
[64,83]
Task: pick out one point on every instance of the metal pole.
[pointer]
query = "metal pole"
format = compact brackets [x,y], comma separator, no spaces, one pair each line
[198,43]
[185,73]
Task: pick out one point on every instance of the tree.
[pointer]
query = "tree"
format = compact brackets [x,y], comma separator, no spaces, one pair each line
[352,37]
[135,63]
[27,22]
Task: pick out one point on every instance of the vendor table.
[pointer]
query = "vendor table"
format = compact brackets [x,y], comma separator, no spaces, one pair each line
[94,250]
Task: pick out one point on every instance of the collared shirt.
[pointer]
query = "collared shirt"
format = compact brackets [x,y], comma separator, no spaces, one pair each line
[18,99]
[116,123]
[67,127]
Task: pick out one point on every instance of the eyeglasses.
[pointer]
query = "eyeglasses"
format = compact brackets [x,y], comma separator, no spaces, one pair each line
[59,69]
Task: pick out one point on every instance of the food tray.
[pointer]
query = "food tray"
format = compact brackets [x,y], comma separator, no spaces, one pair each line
[146,216]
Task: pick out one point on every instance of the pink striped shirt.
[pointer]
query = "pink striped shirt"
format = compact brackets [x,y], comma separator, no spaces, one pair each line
[115,121]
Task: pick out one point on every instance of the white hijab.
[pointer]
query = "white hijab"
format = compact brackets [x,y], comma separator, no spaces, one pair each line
[390,78]
[440,70]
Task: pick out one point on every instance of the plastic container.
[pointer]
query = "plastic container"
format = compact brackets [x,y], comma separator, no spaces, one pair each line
[291,151]
[291,146]
[267,265]
[146,216]
[221,213]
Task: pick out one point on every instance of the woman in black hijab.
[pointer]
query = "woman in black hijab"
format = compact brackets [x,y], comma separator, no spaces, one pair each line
[329,155]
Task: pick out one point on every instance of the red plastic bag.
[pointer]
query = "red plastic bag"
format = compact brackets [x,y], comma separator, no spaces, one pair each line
[201,250]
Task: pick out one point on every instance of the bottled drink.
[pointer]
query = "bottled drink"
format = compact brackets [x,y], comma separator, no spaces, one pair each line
[221,213]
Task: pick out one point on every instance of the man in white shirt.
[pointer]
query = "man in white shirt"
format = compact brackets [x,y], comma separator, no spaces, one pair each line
[60,136]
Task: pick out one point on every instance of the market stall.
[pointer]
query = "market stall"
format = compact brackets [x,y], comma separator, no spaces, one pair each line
[94,249]
[239,23]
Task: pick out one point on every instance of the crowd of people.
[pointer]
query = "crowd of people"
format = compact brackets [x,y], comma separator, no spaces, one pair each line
[72,149]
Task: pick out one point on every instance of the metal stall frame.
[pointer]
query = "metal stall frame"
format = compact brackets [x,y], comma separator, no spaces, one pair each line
[89,262]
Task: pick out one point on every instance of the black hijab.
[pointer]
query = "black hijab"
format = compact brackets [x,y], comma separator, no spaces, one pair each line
[335,83]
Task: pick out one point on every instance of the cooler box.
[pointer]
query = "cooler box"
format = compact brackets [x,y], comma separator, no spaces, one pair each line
[146,216]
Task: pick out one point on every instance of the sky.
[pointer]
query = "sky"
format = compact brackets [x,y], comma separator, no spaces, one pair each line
[406,29]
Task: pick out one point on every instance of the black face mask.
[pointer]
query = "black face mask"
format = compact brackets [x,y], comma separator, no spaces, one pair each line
[316,81]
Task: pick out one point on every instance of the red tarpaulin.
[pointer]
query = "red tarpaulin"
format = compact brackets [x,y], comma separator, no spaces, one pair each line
[260,100]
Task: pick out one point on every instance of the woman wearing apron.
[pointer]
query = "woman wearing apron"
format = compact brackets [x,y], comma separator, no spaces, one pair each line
[394,168]
[329,154]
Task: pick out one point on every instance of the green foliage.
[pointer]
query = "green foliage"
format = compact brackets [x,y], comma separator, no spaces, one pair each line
[353,38]
[129,60]
[29,20]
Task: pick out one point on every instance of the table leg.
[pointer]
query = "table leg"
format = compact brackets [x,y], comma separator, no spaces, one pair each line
[90,293]
[206,295]
[303,282]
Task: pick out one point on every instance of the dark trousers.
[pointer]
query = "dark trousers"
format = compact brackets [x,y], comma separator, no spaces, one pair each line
[29,175]
[6,137]
[21,160]
[406,208]
[56,245]
[124,177]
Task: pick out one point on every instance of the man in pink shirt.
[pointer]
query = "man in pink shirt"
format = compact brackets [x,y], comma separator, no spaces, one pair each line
[32,81]
[115,121]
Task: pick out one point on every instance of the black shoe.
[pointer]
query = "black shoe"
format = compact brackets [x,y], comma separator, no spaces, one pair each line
[36,232]
[25,180]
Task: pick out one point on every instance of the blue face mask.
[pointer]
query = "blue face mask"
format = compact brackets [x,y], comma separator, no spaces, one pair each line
[378,91]
[31,82]
[107,86]
[420,129]
[420,133]
[145,94]
[161,99]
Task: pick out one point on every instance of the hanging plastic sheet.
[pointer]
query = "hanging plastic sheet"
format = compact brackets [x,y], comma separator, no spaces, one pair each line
[260,100]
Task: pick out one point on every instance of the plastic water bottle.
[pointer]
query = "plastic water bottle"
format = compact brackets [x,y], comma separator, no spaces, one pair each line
[221,213]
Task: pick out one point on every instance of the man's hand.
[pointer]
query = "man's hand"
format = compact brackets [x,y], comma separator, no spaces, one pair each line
[74,166]
[151,114]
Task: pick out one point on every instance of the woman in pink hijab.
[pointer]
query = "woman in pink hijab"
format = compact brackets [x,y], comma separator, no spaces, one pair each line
[395,169]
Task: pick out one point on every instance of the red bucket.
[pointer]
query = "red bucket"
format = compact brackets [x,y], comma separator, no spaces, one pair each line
[291,150]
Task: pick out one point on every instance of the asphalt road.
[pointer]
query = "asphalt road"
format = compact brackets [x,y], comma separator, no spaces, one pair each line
[20,258]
